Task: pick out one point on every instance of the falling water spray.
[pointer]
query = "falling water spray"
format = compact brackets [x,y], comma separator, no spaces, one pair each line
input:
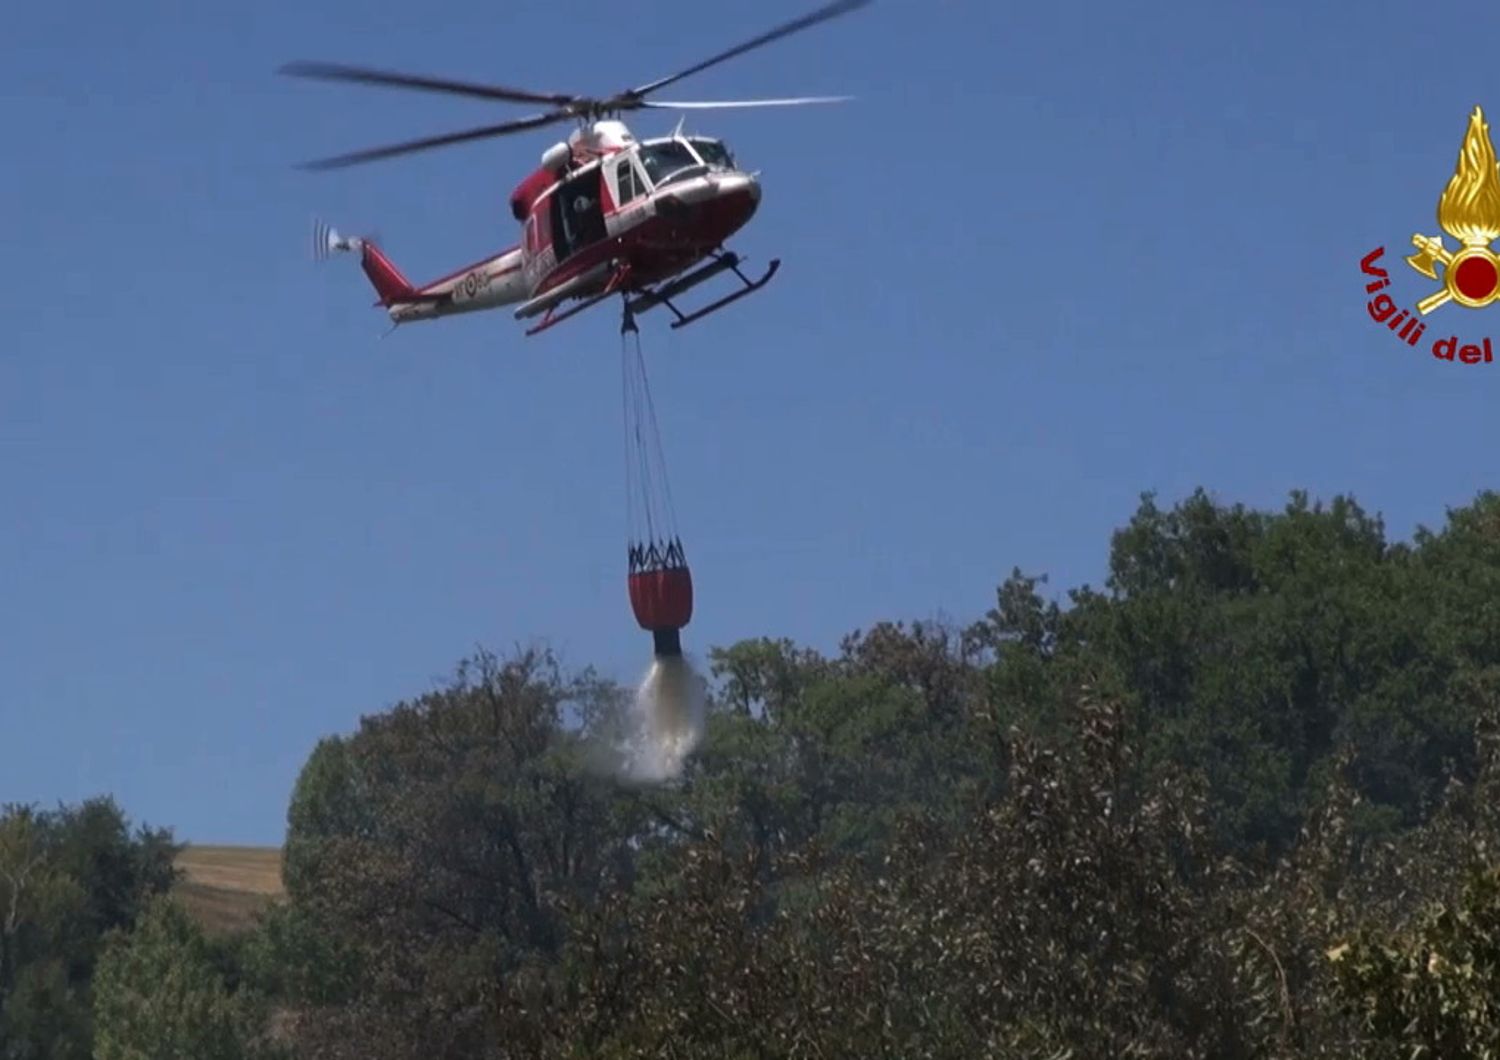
[666,722]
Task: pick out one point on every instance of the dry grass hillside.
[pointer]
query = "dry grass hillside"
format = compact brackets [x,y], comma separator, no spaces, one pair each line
[224,887]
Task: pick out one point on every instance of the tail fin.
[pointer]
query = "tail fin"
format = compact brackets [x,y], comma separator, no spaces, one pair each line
[384,276]
[387,280]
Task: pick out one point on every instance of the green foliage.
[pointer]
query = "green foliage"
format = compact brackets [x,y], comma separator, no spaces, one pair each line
[1254,644]
[1063,914]
[1131,826]
[160,993]
[291,953]
[1431,991]
[436,851]
[328,803]
[67,878]
[1242,801]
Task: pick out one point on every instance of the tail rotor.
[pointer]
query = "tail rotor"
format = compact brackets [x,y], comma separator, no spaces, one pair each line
[326,241]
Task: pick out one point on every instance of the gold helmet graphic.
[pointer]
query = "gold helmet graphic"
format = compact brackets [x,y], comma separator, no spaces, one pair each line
[1469,211]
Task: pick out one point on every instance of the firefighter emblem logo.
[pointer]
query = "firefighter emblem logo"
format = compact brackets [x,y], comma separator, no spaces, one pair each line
[1468,211]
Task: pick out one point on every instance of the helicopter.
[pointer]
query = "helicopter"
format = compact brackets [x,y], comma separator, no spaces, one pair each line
[605,214]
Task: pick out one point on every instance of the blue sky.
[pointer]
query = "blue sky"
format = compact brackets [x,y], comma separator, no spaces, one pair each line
[1051,257]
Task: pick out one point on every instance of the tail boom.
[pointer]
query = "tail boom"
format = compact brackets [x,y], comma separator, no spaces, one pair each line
[495,281]
[486,284]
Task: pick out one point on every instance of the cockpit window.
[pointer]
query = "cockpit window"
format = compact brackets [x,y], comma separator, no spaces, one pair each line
[713,152]
[665,159]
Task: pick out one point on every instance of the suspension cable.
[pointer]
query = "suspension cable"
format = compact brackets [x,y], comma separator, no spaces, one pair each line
[645,459]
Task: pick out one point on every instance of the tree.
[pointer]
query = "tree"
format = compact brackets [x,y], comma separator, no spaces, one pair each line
[159,994]
[1133,825]
[1433,990]
[67,878]
[438,847]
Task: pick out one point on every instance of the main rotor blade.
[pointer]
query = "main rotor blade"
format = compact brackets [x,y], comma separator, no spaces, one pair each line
[714,104]
[363,75]
[533,122]
[823,14]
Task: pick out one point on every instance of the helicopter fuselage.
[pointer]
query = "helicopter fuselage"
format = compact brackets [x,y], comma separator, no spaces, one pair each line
[612,216]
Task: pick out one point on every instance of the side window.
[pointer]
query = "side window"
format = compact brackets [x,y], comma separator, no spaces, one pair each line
[625,181]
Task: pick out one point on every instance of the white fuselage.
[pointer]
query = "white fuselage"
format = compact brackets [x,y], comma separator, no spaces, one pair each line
[655,206]
[495,282]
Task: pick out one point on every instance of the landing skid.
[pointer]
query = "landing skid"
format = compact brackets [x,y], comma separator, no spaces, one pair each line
[726,260]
